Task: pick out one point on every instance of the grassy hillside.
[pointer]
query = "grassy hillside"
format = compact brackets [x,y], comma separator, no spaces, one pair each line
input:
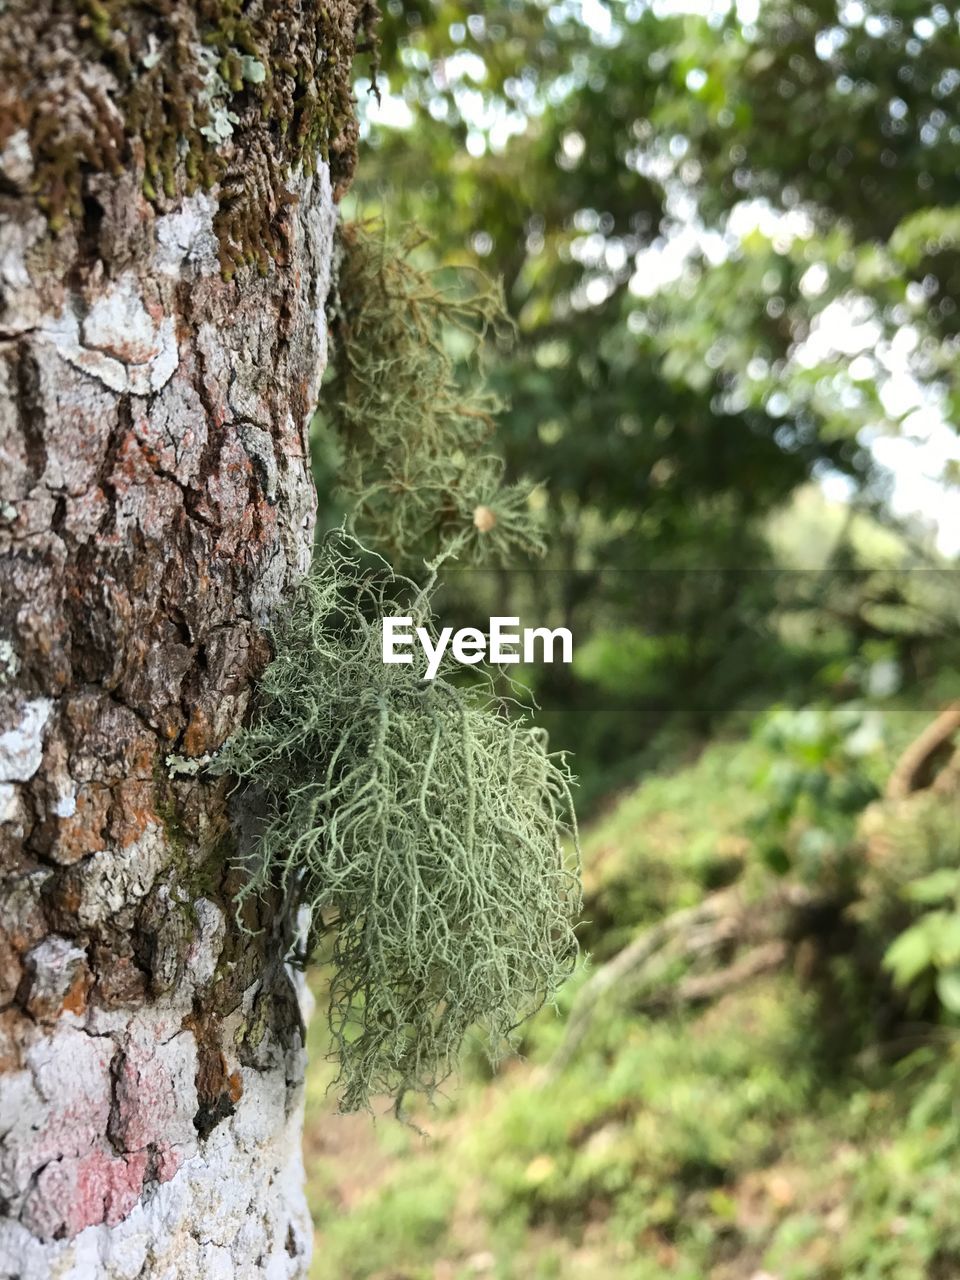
[804,1125]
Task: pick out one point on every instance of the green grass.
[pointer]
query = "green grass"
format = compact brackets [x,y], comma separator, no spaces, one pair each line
[667,842]
[767,1133]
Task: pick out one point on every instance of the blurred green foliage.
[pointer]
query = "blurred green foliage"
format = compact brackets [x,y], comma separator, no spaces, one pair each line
[815,784]
[791,1129]
[725,239]
[729,247]
[913,897]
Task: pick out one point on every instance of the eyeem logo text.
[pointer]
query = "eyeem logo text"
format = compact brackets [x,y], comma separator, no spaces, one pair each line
[470,645]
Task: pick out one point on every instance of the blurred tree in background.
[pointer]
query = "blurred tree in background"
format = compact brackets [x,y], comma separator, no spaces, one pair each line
[729,243]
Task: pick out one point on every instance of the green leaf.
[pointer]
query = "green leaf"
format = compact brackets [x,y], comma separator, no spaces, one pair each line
[909,955]
[944,932]
[776,858]
[948,989]
[936,887]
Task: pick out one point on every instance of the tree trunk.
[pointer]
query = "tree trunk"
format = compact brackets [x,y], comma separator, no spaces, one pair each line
[165,257]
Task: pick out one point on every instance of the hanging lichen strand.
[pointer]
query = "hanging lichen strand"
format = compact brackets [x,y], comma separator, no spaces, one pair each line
[430,830]
[419,474]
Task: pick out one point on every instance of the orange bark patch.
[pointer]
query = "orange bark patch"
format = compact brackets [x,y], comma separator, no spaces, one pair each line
[198,736]
[82,832]
[75,1000]
[132,812]
[235,1086]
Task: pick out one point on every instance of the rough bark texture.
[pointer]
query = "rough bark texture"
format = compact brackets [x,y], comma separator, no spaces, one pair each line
[156,505]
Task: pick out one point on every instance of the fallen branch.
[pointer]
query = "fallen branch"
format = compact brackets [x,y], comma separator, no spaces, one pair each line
[702,987]
[723,920]
[626,962]
[912,771]
[947,780]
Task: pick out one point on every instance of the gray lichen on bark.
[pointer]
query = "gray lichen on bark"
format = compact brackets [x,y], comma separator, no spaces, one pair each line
[156,505]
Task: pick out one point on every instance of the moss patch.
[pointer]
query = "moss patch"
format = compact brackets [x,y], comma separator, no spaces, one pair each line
[233,92]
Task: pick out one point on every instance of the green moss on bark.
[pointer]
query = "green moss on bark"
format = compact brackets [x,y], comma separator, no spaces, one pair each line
[232,93]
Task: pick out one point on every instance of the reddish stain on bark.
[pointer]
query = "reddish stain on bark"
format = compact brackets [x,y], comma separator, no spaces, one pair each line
[78,1192]
[166,1161]
[145,1100]
[108,1187]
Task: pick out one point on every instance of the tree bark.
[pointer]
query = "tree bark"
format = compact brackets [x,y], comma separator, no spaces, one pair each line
[156,505]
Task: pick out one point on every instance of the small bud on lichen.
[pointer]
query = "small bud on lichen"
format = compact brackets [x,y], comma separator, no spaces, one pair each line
[483,519]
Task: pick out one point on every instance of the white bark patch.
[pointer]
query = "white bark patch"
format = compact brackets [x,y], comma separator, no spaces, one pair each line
[9,662]
[16,159]
[53,966]
[205,951]
[119,342]
[116,880]
[65,805]
[21,748]
[259,446]
[174,426]
[19,308]
[9,808]
[235,1209]
[57,1107]
[315,228]
[187,236]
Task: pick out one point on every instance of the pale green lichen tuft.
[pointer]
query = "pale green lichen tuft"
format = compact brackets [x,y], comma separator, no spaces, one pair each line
[429,830]
[417,456]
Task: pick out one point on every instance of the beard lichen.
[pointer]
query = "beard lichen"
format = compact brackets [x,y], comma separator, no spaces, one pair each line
[430,833]
[419,474]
